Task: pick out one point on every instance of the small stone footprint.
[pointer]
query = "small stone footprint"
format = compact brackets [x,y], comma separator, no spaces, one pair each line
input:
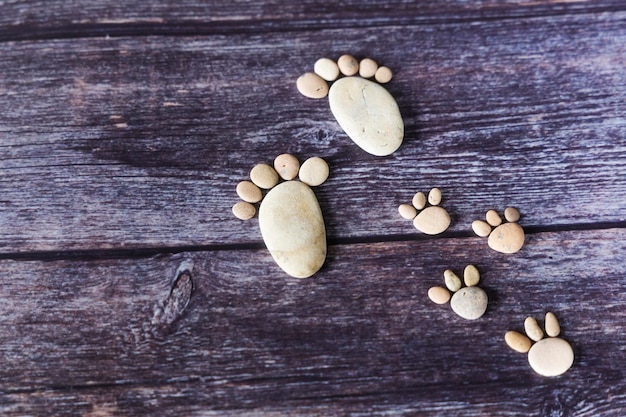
[431,220]
[503,237]
[551,356]
[364,109]
[469,302]
[290,217]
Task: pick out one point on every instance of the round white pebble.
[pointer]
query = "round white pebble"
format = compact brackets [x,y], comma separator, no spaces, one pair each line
[551,357]
[439,295]
[327,69]
[249,192]
[434,196]
[367,68]
[481,228]
[383,75]
[312,85]
[532,329]
[314,171]
[407,211]
[419,200]
[469,302]
[348,65]
[511,214]
[493,218]
[264,176]
[244,210]
[287,166]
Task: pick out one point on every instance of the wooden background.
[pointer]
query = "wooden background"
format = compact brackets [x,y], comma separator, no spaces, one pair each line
[129,289]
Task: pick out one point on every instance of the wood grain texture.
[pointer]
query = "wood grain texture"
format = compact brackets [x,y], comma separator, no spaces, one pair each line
[361,338]
[136,143]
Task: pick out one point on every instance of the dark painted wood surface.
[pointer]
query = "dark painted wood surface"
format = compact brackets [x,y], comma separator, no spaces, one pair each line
[125,128]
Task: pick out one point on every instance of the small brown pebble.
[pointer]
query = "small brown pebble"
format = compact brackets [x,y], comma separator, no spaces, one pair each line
[407,211]
[511,214]
[264,176]
[348,65]
[481,228]
[249,192]
[553,329]
[453,282]
[493,218]
[471,276]
[532,329]
[439,295]
[419,200]
[434,196]
[327,69]
[312,85]
[367,68]
[517,341]
[383,75]
[244,210]
[314,171]
[287,166]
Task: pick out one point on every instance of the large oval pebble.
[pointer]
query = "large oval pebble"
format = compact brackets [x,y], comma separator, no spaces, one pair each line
[368,114]
[293,228]
[507,238]
[469,302]
[432,220]
[551,357]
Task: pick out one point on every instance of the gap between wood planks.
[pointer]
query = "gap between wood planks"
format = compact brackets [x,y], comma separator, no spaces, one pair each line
[147,252]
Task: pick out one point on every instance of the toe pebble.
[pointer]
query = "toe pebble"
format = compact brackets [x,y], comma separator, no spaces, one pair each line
[367,68]
[439,295]
[312,85]
[532,329]
[551,357]
[314,171]
[264,176]
[493,218]
[249,192]
[453,282]
[517,341]
[469,302]
[432,220]
[287,166]
[507,238]
[471,276]
[481,228]
[244,210]
[419,200]
[552,325]
[348,65]
[434,196]
[407,211]
[511,214]
[383,75]
[327,69]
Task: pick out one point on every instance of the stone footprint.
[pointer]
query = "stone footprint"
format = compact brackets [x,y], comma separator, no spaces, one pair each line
[430,220]
[290,217]
[469,302]
[550,356]
[503,237]
[364,109]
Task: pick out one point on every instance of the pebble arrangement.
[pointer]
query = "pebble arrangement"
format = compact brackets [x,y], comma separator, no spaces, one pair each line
[503,237]
[290,217]
[469,302]
[364,109]
[551,356]
[431,220]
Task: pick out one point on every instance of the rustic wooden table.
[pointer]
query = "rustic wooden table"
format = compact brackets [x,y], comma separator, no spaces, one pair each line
[129,289]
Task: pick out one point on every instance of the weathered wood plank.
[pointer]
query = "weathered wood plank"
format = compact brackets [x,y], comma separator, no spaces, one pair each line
[134,143]
[361,337]
[54,19]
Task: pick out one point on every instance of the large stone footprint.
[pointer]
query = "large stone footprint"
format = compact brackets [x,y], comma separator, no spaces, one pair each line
[503,237]
[549,356]
[290,217]
[364,109]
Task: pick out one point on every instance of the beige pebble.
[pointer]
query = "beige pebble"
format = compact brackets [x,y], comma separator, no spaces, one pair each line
[493,218]
[453,282]
[439,295]
[348,65]
[511,214]
[367,68]
[249,192]
[551,356]
[293,228]
[471,276]
[517,341]
[532,328]
[314,171]
[383,75]
[407,211]
[553,329]
[326,68]
[419,200]
[434,196]
[287,166]
[507,238]
[432,220]
[469,302]
[264,176]
[244,210]
[481,228]
[312,85]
